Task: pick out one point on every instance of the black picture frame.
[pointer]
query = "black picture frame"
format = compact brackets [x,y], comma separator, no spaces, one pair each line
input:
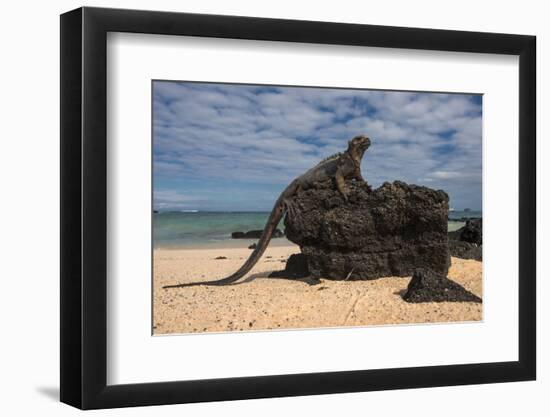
[84,207]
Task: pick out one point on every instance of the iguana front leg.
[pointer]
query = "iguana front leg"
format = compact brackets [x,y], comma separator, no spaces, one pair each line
[289,208]
[287,197]
[341,184]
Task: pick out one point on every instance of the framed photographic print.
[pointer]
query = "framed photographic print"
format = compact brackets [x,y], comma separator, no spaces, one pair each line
[256,208]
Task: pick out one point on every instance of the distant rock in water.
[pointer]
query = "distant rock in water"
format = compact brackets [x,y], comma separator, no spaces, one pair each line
[466,242]
[254,234]
[390,231]
[427,286]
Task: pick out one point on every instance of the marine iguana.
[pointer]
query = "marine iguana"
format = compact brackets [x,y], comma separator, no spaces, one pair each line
[341,166]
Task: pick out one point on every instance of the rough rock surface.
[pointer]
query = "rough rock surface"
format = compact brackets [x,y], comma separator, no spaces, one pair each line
[390,231]
[465,250]
[428,286]
[296,267]
[466,242]
[472,232]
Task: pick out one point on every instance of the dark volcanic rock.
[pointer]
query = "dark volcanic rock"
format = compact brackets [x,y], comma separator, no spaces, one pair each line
[428,286]
[465,250]
[390,231]
[254,234]
[454,235]
[296,267]
[472,232]
[466,242]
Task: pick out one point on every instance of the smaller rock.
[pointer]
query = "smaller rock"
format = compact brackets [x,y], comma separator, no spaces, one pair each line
[454,235]
[220,257]
[465,250]
[253,246]
[255,234]
[296,267]
[427,286]
[466,242]
[472,232]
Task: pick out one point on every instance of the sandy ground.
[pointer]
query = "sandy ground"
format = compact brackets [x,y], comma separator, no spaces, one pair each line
[262,303]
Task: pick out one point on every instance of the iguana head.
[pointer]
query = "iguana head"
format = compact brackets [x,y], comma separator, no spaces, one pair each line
[358,145]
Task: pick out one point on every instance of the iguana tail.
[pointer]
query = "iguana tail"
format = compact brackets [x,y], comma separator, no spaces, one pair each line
[272,222]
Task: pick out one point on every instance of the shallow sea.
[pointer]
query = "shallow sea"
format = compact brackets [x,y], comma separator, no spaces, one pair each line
[213,229]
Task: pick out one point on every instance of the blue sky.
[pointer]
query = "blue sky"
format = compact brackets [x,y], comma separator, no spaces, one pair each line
[230,147]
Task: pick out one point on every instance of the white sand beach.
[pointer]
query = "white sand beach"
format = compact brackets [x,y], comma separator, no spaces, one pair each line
[262,303]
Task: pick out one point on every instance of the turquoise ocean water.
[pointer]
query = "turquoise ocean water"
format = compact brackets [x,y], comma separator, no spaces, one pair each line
[204,229]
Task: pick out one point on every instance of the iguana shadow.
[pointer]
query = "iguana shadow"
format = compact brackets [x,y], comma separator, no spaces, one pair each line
[280,274]
[275,275]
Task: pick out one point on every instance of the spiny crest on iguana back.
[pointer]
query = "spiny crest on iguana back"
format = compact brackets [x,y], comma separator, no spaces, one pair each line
[331,157]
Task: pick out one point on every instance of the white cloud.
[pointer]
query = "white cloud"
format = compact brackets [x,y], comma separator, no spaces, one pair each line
[175,199]
[249,134]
